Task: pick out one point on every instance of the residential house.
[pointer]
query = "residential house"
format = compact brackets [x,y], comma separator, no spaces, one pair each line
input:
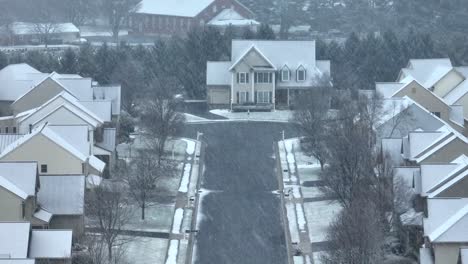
[21,245]
[177,17]
[435,84]
[62,158]
[263,74]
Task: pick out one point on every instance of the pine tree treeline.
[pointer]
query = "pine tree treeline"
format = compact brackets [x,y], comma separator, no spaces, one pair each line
[181,62]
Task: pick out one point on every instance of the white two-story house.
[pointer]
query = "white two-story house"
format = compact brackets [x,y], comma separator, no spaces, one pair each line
[264,74]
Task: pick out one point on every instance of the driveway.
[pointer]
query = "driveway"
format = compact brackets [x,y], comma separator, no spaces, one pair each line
[241,219]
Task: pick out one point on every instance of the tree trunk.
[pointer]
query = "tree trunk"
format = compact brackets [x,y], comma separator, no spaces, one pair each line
[109,251]
[143,206]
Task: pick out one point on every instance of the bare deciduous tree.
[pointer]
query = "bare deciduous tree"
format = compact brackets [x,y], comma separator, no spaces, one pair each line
[143,175]
[161,119]
[117,12]
[312,118]
[108,205]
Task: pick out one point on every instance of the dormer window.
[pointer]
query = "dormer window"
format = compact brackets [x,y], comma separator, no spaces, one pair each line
[285,74]
[301,74]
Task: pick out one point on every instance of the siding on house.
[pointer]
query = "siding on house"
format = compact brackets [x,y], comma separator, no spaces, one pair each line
[45,152]
[37,96]
[448,153]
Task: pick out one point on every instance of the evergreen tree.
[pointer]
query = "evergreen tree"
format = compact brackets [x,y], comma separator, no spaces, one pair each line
[3,60]
[69,62]
[37,60]
[248,33]
[265,32]
[105,64]
[86,63]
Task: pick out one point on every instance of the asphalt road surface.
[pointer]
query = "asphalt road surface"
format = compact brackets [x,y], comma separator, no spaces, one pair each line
[241,220]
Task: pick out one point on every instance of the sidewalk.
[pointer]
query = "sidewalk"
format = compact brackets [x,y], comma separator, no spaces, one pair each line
[308,211]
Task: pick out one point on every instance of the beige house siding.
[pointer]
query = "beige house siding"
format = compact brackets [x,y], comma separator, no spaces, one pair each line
[10,206]
[219,94]
[447,83]
[426,99]
[446,253]
[460,189]
[464,101]
[448,153]
[75,222]
[41,149]
[38,96]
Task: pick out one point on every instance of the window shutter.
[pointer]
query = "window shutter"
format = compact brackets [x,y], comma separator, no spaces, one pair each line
[256,77]
[256,96]
[237,77]
[247,98]
[237,97]
[247,77]
[271,77]
[271,97]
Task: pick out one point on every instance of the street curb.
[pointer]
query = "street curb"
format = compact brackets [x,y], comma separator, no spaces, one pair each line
[279,172]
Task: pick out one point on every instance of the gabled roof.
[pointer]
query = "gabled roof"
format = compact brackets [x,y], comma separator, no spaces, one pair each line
[9,186]
[183,8]
[22,174]
[111,92]
[51,244]
[76,135]
[8,139]
[439,145]
[450,223]
[62,195]
[17,244]
[71,104]
[47,132]
[252,48]
[231,17]
[49,77]
[43,215]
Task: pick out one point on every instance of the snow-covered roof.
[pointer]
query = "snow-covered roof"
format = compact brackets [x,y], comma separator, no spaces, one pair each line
[16,80]
[112,93]
[8,139]
[17,261]
[76,135]
[9,186]
[62,100]
[439,210]
[96,163]
[439,145]
[422,69]
[81,88]
[217,73]
[51,244]
[22,174]
[422,141]
[462,89]
[230,17]
[432,174]
[47,132]
[62,195]
[183,8]
[24,28]
[43,215]
[17,243]
[387,90]
[102,109]
[392,147]
[454,229]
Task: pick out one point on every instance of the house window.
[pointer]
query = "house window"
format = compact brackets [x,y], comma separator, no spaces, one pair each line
[436,114]
[264,97]
[242,97]
[243,77]
[263,77]
[301,74]
[43,168]
[285,75]
[6,130]
[14,130]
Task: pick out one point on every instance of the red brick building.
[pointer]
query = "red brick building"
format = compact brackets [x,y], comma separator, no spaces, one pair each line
[176,17]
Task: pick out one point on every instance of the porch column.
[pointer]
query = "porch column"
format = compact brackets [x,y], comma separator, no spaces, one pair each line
[252,79]
[232,89]
[273,97]
[288,97]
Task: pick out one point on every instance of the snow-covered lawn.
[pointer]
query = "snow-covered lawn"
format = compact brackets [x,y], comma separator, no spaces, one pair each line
[312,192]
[301,221]
[278,115]
[309,173]
[319,216]
[145,250]
[298,259]
[158,218]
[193,118]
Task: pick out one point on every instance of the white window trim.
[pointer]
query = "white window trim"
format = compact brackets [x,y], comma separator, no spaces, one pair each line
[282,75]
[269,77]
[245,77]
[301,69]
[265,96]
